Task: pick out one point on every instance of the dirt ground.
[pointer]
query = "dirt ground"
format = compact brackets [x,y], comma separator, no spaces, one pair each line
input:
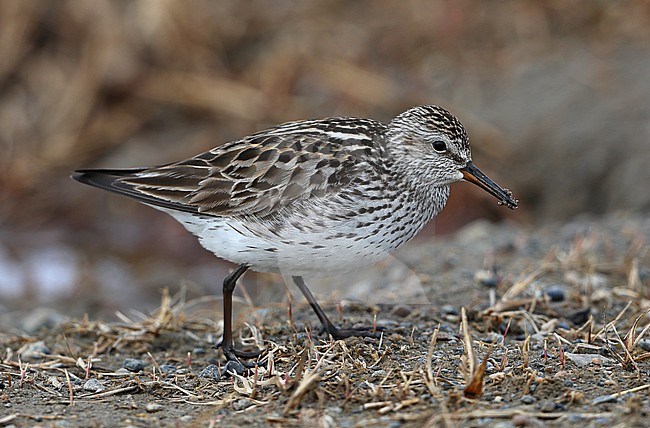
[521,328]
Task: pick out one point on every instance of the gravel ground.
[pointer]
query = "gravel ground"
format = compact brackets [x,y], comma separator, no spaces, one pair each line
[495,326]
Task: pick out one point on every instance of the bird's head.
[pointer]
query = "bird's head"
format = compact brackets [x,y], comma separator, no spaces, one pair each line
[432,146]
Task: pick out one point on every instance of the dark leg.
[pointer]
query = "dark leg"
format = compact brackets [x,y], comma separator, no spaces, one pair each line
[227,344]
[328,327]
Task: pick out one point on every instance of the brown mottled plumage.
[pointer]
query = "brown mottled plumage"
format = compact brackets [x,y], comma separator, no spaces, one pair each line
[313,197]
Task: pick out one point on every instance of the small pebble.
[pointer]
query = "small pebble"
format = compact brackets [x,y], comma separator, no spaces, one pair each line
[519,420]
[580,317]
[211,372]
[35,351]
[242,404]
[167,369]
[583,360]
[555,293]
[449,310]
[55,382]
[233,366]
[486,278]
[524,326]
[401,310]
[493,337]
[40,318]
[378,373]
[122,371]
[563,325]
[153,407]
[326,421]
[198,351]
[538,338]
[547,407]
[644,344]
[528,399]
[561,374]
[93,385]
[133,365]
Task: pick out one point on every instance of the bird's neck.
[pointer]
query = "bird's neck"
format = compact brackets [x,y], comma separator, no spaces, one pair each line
[423,193]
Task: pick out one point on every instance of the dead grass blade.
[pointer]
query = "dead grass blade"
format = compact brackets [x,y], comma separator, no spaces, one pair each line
[429,379]
[631,338]
[70,389]
[309,380]
[474,388]
[518,287]
[475,374]
[470,357]
[4,420]
[509,413]
[611,397]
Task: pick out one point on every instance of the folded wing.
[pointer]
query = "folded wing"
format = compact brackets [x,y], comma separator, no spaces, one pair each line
[258,175]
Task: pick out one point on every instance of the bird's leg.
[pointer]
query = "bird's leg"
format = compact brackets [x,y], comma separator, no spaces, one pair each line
[327,326]
[227,344]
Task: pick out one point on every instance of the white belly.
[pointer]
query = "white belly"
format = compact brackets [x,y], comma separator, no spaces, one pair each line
[312,241]
[313,254]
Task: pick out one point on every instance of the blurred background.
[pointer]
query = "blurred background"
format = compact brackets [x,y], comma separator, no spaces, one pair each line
[555,96]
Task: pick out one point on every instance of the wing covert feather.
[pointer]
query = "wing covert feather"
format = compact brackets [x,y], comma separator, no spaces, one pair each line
[257,175]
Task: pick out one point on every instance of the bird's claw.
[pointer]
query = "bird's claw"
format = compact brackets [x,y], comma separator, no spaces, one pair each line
[234,356]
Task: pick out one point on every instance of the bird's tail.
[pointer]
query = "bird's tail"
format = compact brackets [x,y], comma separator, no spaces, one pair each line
[116,181]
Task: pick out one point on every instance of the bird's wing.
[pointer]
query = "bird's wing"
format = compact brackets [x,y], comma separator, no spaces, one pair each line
[257,175]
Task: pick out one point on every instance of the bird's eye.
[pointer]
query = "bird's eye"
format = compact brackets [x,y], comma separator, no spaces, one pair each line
[439,146]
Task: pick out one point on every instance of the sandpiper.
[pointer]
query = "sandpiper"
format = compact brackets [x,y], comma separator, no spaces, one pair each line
[314,197]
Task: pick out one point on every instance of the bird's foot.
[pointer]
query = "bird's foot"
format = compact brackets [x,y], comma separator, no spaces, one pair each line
[235,356]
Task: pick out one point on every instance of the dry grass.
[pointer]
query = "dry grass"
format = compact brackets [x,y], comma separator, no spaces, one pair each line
[521,346]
